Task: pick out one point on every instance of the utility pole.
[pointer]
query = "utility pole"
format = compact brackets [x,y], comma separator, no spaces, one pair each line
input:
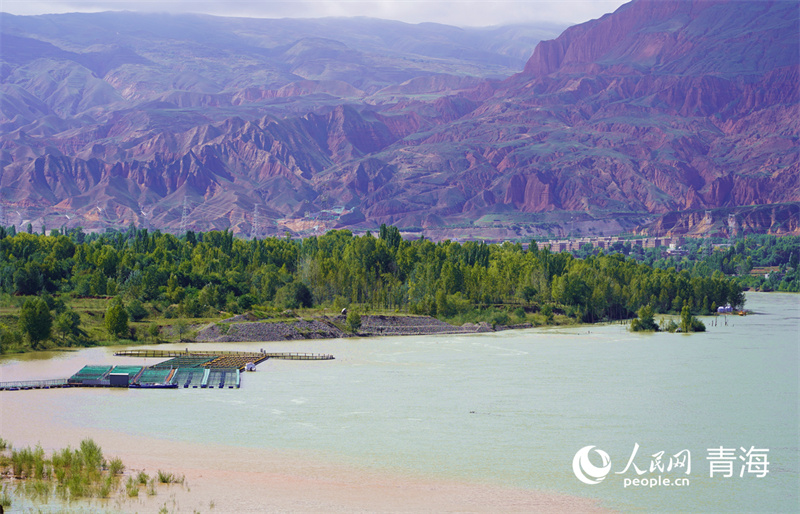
[732,226]
[184,217]
[254,229]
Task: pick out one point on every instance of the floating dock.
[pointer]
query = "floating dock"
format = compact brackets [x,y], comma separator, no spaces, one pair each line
[205,370]
[224,358]
[33,384]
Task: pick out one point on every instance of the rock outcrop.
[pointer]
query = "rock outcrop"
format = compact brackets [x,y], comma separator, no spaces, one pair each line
[662,106]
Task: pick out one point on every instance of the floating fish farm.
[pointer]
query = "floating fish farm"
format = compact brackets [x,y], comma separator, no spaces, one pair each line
[204,370]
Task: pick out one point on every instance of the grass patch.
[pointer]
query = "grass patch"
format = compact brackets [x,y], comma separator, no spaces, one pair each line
[71,474]
[132,487]
[169,478]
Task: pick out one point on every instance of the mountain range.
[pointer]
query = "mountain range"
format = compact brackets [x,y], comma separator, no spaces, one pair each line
[634,121]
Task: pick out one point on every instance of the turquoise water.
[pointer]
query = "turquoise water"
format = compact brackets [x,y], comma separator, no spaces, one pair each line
[509,408]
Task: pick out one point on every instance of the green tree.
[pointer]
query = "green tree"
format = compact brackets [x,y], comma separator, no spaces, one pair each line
[686,319]
[117,319]
[35,321]
[294,295]
[181,327]
[528,293]
[547,312]
[9,339]
[443,307]
[645,322]
[68,325]
[153,331]
[689,323]
[136,310]
[353,321]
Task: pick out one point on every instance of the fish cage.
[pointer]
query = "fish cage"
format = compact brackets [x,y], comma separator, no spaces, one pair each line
[189,377]
[91,375]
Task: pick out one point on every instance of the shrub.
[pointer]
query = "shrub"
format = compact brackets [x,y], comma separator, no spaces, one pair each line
[5,499]
[192,308]
[136,310]
[116,467]
[697,325]
[105,488]
[10,340]
[547,312]
[293,296]
[645,321]
[500,318]
[353,321]
[151,487]
[132,487]
[246,302]
[669,326]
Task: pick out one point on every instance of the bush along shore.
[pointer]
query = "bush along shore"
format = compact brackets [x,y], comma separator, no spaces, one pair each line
[74,289]
[69,475]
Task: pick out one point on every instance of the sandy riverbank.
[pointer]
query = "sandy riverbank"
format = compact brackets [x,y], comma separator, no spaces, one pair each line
[236,479]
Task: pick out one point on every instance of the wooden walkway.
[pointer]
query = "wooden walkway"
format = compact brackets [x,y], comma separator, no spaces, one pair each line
[300,356]
[255,357]
[33,384]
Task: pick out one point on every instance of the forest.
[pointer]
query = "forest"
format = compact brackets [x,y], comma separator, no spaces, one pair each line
[209,275]
[761,262]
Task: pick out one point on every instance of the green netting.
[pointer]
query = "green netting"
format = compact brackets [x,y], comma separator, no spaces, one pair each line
[154,376]
[188,377]
[183,362]
[130,370]
[91,373]
[223,378]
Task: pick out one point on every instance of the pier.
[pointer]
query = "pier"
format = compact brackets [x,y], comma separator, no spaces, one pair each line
[255,357]
[33,384]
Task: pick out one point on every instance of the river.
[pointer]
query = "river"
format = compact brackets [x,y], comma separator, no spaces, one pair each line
[508,409]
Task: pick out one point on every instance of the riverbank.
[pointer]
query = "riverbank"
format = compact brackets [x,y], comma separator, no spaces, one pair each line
[243,329]
[221,478]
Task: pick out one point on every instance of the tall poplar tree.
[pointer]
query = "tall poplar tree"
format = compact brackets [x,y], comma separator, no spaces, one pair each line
[35,321]
[117,318]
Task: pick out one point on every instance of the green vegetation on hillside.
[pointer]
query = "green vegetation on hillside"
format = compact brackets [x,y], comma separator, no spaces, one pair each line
[758,261]
[162,279]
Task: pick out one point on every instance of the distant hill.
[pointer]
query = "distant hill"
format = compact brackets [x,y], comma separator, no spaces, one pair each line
[660,107]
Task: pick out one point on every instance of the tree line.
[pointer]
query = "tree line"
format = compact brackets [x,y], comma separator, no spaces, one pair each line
[201,274]
[743,258]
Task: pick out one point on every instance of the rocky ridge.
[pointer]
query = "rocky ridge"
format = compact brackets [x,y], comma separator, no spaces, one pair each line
[659,107]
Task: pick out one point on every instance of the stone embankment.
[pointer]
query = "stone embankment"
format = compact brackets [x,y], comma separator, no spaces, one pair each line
[240,329]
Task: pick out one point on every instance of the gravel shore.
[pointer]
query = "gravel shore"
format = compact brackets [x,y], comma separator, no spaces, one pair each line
[240,329]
